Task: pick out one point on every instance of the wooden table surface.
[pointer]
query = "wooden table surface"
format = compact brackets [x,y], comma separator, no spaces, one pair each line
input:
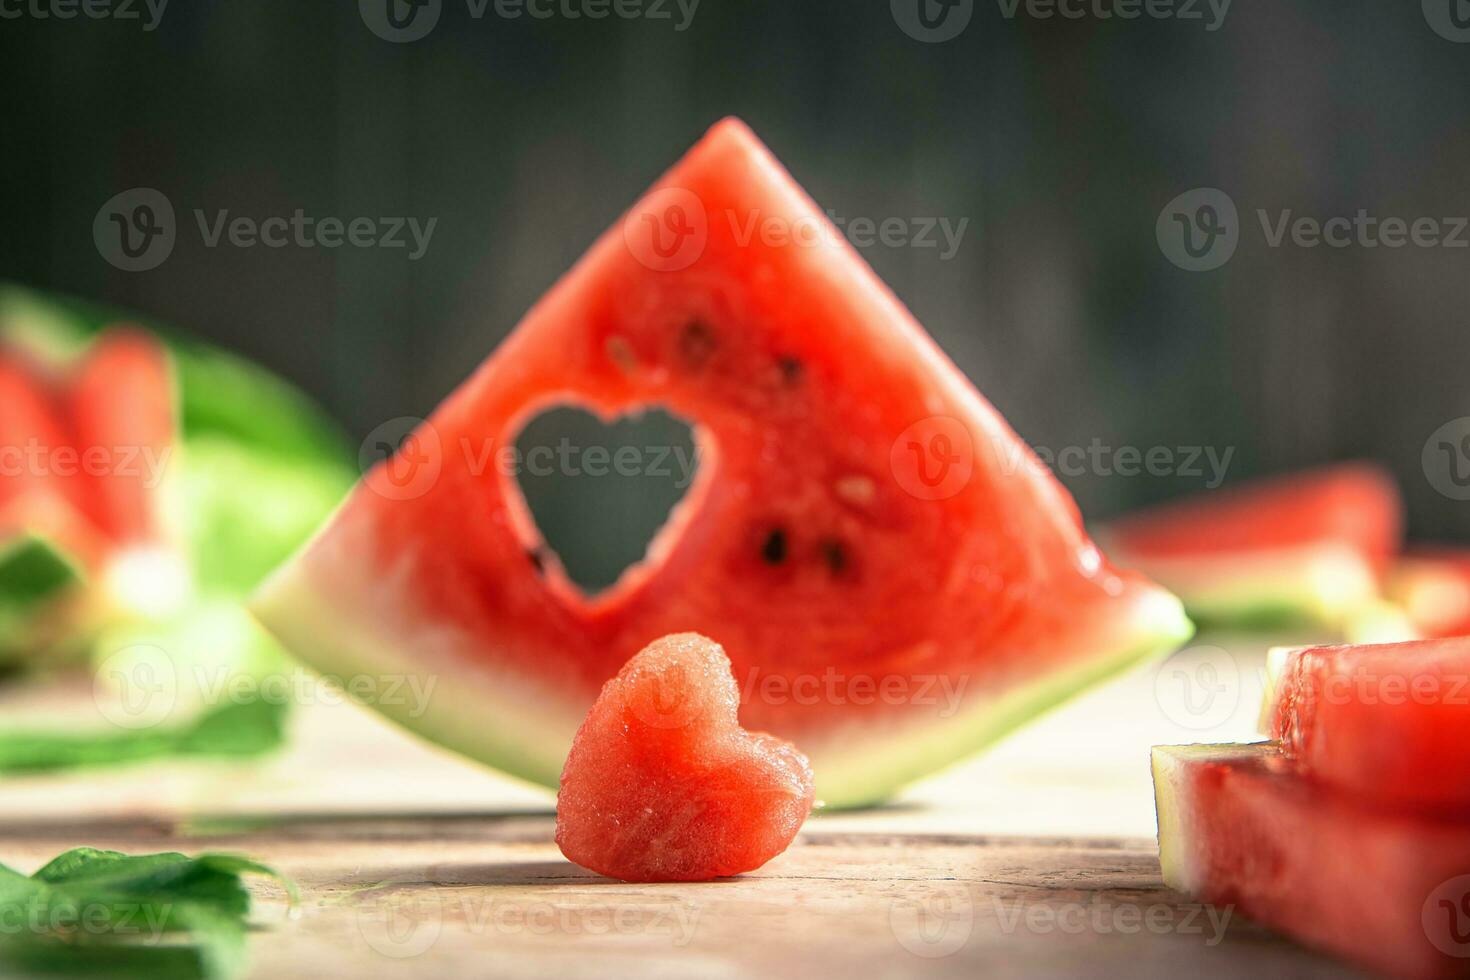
[1036,858]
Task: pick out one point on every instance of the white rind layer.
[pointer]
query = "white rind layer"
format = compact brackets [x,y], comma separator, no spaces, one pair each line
[1326,583]
[524,726]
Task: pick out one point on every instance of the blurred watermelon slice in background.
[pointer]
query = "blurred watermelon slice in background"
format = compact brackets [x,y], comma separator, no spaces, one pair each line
[1309,547]
[156,478]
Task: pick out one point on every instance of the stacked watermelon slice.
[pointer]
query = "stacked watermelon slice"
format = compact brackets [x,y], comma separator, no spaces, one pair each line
[1350,829]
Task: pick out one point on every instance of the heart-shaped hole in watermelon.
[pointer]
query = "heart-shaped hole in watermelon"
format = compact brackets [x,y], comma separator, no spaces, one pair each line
[599,493]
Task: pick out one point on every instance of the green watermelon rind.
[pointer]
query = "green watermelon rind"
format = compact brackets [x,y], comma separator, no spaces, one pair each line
[522,726]
[989,723]
[1267,591]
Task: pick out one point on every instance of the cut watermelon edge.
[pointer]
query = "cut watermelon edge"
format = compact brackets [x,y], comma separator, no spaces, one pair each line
[1325,584]
[522,726]
[1166,764]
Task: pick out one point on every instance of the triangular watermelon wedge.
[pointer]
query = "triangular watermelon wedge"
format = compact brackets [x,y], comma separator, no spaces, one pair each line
[895,577]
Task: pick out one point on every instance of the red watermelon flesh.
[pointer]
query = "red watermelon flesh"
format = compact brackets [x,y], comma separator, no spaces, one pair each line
[35,498]
[1388,721]
[892,589]
[662,783]
[1238,827]
[1309,545]
[85,447]
[120,399]
[1432,586]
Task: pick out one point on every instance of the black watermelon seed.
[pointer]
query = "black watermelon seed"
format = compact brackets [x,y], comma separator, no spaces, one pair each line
[791,369]
[697,342]
[538,560]
[774,548]
[834,553]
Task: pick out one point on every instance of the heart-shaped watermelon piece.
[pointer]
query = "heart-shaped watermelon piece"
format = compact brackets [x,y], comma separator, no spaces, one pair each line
[662,783]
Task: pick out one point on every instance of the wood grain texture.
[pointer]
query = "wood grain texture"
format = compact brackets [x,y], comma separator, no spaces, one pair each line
[482,895]
[1036,859]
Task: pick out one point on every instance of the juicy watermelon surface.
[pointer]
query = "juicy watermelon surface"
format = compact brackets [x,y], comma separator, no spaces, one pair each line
[662,784]
[1309,546]
[1388,722]
[1239,827]
[892,589]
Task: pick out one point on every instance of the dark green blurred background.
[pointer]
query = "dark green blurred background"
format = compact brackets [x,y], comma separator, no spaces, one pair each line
[1060,140]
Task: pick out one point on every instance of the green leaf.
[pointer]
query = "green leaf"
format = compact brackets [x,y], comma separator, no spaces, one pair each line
[32,570]
[34,574]
[92,912]
[236,730]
